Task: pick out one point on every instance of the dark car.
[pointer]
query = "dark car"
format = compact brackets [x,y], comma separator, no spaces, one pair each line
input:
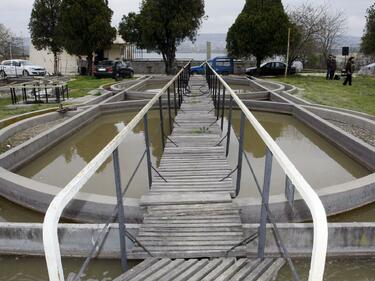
[113,68]
[273,68]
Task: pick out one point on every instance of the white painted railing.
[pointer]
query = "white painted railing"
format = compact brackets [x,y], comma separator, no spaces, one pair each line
[312,200]
[62,199]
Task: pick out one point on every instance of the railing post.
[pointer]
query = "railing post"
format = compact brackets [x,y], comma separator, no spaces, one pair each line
[265,200]
[169,110]
[223,109]
[161,122]
[240,152]
[120,208]
[148,155]
[175,97]
[218,99]
[229,125]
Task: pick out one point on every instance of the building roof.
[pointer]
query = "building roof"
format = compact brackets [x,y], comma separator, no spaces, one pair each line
[119,40]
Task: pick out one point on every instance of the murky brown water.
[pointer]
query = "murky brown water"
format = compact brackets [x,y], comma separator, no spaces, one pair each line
[35,269]
[353,269]
[71,155]
[318,160]
[30,269]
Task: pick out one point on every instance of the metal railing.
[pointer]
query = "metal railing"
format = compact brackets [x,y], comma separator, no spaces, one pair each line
[220,90]
[178,85]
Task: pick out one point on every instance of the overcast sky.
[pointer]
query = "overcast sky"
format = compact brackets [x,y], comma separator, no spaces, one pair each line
[221,13]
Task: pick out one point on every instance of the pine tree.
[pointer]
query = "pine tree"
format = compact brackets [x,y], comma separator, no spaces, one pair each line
[162,25]
[86,27]
[43,27]
[368,39]
[260,30]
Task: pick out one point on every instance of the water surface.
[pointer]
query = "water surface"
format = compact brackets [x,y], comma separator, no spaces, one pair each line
[317,159]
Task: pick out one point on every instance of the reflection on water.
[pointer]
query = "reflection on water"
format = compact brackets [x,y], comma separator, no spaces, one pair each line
[364,214]
[316,158]
[152,87]
[320,162]
[61,163]
[353,269]
[10,212]
[30,269]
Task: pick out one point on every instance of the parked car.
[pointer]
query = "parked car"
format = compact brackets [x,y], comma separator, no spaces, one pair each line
[273,68]
[113,68]
[367,70]
[15,68]
[222,65]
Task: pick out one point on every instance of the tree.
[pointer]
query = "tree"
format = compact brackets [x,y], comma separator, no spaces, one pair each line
[5,39]
[86,27]
[306,24]
[162,25]
[44,29]
[10,45]
[332,28]
[260,30]
[368,39]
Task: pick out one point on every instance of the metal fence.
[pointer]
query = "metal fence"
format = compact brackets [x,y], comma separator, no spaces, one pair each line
[172,94]
[220,92]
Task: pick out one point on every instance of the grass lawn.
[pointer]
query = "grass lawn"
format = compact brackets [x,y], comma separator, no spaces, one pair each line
[6,111]
[79,86]
[359,97]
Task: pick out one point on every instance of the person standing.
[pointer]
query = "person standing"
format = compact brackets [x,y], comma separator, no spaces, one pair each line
[329,67]
[333,68]
[349,68]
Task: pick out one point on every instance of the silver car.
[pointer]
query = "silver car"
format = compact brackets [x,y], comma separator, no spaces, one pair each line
[15,68]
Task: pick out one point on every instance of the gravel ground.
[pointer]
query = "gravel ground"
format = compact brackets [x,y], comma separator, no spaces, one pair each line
[27,134]
[356,131]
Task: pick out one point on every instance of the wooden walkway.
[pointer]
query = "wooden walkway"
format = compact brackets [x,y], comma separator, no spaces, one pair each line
[191,214]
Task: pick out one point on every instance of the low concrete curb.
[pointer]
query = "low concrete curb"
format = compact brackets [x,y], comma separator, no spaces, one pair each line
[76,240]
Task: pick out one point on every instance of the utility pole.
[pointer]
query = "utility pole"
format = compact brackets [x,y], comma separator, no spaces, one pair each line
[10,49]
[287,54]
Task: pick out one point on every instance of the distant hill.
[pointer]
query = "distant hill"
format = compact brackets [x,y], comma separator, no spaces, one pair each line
[218,41]
[349,41]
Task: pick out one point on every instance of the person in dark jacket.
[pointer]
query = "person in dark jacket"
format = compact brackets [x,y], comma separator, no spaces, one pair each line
[349,68]
[333,68]
[329,67]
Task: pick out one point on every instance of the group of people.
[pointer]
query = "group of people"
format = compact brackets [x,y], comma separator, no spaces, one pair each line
[332,67]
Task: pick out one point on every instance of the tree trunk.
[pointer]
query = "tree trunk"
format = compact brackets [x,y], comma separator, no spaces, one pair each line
[89,64]
[169,61]
[55,64]
[259,61]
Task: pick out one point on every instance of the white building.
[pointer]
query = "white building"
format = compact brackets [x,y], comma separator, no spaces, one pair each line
[68,64]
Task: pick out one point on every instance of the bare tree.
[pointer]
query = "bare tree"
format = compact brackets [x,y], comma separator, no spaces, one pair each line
[316,29]
[307,21]
[5,40]
[332,29]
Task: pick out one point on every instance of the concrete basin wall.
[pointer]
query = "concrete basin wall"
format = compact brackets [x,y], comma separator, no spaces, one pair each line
[76,240]
[37,196]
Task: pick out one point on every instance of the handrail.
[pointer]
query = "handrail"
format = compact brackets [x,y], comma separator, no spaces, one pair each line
[312,200]
[62,199]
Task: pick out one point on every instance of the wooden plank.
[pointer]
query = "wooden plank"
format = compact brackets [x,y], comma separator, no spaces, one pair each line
[271,273]
[214,274]
[206,270]
[151,269]
[185,198]
[131,273]
[240,270]
[159,274]
[192,270]
[258,271]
